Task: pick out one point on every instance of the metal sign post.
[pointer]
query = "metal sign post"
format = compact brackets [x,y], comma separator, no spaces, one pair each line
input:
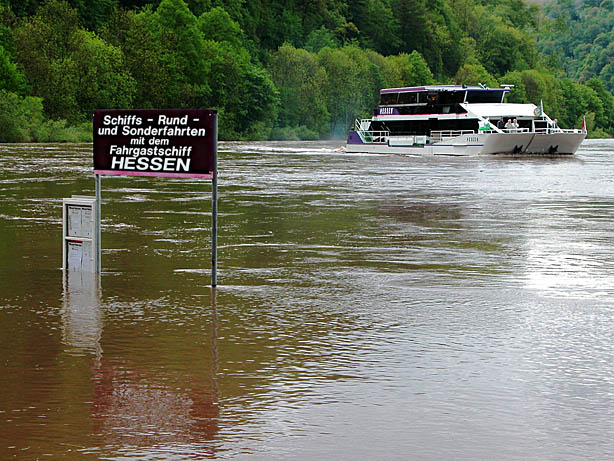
[97,224]
[214,211]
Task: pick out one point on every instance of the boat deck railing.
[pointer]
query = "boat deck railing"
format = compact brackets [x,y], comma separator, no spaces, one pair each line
[550,130]
[383,136]
[507,131]
[375,137]
[369,136]
[441,135]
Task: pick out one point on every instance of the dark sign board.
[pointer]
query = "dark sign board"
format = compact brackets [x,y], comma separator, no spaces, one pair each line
[171,142]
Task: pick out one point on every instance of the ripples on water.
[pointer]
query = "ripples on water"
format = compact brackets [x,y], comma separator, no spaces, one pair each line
[370,307]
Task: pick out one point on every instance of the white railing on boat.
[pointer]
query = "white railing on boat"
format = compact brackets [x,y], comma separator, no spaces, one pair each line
[440,135]
[516,130]
[506,130]
[528,131]
[557,130]
[368,136]
[383,136]
[374,137]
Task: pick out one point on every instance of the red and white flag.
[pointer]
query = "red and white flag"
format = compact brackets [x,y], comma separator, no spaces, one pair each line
[584,125]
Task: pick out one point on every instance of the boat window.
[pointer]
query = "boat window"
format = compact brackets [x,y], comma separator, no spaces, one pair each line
[484,96]
[408,98]
[431,97]
[388,99]
[451,97]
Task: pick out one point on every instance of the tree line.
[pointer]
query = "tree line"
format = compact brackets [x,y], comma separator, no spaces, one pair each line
[577,37]
[299,69]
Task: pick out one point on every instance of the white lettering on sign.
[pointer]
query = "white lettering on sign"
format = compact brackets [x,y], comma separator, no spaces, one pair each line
[174,151]
[167,164]
[165,120]
[145,141]
[386,110]
[122,120]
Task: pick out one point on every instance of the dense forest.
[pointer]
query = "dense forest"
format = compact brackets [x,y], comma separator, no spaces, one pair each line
[579,38]
[297,69]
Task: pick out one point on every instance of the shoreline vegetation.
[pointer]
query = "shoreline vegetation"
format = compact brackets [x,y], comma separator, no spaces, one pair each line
[279,70]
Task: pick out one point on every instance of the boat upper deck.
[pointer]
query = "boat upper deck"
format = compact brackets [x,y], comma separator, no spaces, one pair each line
[444,88]
[441,95]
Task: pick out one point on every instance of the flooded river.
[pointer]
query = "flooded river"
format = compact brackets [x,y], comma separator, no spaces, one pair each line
[369,307]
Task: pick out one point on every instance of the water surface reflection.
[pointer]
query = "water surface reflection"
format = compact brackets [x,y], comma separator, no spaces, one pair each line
[369,306]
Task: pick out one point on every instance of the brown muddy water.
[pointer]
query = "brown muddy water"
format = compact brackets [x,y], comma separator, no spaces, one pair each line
[369,307]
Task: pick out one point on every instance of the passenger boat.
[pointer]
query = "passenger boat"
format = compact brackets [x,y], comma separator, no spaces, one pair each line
[459,120]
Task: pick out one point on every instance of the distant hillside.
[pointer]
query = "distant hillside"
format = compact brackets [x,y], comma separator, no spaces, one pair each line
[578,39]
[286,69]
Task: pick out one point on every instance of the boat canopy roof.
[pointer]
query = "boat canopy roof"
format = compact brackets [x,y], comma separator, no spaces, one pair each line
[441,88]
[501,110]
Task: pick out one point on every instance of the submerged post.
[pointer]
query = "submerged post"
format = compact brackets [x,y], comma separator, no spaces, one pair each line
[214,208]
[98,219]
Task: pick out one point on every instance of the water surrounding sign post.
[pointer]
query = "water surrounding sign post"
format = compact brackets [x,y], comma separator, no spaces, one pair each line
[173,143]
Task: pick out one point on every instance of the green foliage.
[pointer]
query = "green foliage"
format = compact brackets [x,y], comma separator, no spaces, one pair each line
[94,13]
[22,120]
[218,25]
[246,97]
[244,93]
[138,39]
[607,102]
[292,70]
[580,36]
[516,13]
[505,48]
[301,81]
[431,28]
[473,73]
[519,93]
[74,71]
[579,100]
[19,117]
[11,79]
[352,87]
[181,52]
[564,99]
[21,7]
[410,69]
[379,29]
[321,38]
[101,77]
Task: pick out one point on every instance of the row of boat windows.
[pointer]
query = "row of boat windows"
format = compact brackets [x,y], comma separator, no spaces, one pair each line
[440,97]
[424,109]
[422,127]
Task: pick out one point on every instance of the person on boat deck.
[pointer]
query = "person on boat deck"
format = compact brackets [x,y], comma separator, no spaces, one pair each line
[509,124]
[516,126]
[500,123]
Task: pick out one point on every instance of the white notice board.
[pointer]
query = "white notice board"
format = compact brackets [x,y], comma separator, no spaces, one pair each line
[79,236]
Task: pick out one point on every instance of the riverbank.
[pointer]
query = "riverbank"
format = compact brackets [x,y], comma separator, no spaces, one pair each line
[23,120]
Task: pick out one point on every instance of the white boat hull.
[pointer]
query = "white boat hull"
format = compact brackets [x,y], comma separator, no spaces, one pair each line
[482,144]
